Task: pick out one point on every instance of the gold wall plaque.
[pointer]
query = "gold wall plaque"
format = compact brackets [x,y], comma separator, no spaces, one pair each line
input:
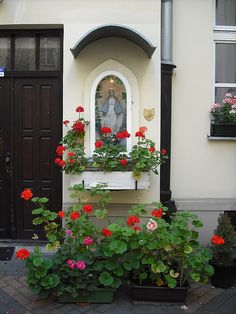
[149,114]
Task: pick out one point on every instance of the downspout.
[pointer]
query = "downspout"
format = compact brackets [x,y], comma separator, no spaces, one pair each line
[167,67]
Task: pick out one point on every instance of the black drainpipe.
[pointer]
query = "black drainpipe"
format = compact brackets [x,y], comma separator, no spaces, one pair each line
[167,67]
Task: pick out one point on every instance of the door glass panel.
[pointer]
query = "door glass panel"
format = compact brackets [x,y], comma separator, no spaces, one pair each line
[25,48]
[226,12]
[5,54]
[225,63]
[49,53]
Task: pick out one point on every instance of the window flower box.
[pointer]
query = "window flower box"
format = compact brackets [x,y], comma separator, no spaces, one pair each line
[223,129]
[115,180]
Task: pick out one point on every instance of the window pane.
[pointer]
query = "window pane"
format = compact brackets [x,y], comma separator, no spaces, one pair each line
[25,53]
[226,12]
[221,91]
[226,63]
[5,54]
[49,53]
[110,106]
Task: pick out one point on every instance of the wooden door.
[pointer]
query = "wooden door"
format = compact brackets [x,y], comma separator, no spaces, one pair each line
[5,149]
[29,134]
[37,131]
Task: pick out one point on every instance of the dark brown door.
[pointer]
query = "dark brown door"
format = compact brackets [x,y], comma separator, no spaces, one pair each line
[36,130]
[5,144]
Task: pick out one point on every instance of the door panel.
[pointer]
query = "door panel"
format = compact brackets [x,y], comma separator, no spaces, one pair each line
[37,120]
[5,187]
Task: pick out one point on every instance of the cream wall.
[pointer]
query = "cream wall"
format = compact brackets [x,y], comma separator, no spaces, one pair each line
[79,17]
[200,168]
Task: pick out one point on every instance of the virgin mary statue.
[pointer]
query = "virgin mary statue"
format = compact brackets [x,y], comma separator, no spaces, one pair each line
[112,113]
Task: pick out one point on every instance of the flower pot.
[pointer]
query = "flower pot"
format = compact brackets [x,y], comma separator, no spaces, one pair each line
[224,276]
[115,180]
[225,130]
[159,294]
[99,295]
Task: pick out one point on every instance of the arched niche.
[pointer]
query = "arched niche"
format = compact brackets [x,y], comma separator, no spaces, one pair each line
[113,69]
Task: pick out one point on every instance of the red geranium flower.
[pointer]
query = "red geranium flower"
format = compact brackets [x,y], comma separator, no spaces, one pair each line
[139,134]
[123,162]
[217,240]
[105,130]
[137,228]
[152,149]
[80,109]
[57,161]
[98,144]
[158,213]
[61,214]
[60,149]
[163,151]
[66,122]
[133,220]
[143,129]
[106,232]
[62,163]
[71,154]
[26,194]
[78,127]
[123,134]
[74,215]
[22,254]
[87,208]
[72,161]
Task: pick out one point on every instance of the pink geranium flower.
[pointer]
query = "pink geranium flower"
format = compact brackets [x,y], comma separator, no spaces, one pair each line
[88,241]
[71,263]
[151,225]
[80,265]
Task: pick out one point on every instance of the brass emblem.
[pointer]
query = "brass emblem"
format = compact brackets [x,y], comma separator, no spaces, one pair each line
[149,114]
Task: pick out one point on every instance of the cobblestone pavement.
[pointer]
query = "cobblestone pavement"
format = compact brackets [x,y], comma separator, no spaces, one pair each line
[16,297]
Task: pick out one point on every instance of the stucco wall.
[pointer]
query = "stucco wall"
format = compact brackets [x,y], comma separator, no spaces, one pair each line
[79,17]
[200,168]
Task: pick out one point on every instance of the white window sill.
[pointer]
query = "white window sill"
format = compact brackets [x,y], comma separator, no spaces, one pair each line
[220,138]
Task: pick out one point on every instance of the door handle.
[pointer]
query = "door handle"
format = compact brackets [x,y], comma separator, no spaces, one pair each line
[7,158]
[8,162]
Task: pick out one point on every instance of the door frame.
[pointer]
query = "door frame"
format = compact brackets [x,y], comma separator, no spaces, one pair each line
[9,31]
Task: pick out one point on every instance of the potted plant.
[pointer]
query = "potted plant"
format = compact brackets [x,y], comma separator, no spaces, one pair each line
[78,271]
[224,117]
[170,255]
[132,169]
[223,245]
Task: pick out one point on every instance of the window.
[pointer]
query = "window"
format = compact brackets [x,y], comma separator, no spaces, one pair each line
[226,12]
[225,49]
[5,54]
[30,51]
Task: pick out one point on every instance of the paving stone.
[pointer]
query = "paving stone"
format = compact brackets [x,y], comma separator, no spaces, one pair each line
[201,291]
[10,291]
[20,298]
[27,292]
[206,298]
[191,298]
[2,283]
[215,291]
[15,283]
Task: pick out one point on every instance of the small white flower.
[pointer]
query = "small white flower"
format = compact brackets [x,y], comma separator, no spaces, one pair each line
[233,111]
[228,95]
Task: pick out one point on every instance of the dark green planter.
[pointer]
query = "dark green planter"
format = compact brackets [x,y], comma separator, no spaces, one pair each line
[99,295]
[224,130]
[224,276]
[159,294]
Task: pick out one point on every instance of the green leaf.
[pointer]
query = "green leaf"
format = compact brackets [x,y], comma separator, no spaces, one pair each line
[188,249]
[37,221]
[37,211]
[143,276]
[35,199]
[105,279]
[43,200]
[53,216]
[51,237]
[100,213]
[195,277]
[38,261]
[155,269]
[114,227]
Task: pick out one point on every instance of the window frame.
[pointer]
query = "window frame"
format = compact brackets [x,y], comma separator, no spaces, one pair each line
[221,34]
